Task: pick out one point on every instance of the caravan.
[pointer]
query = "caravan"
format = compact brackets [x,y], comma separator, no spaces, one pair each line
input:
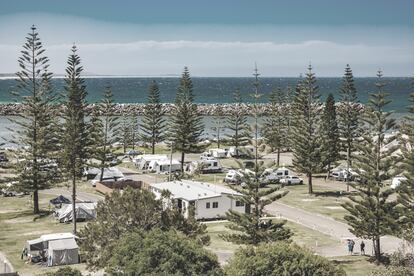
[163,166]
[205,166]
[142,162]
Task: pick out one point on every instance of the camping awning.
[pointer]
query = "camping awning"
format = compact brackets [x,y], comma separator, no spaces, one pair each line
[63,244]
[36,244]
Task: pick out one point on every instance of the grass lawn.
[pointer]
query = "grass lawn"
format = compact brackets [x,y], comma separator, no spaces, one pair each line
[302,235]
[324,201]
[18,224]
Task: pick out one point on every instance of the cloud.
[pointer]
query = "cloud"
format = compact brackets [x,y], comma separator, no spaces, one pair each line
[211,50]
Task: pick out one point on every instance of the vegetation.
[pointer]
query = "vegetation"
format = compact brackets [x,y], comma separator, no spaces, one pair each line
[153,122]
[275,127]
[371,213]
[75,138]
[132,211]
[159,252]
[65,271]
[330,135]
[218,125]
[306,137]
[348,117]
[406,189]
[107,133]
[251,227]
[36,131]
[186,122]
[237,124]
[279,258]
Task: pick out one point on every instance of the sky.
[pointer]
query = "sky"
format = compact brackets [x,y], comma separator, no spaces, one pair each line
[216,38]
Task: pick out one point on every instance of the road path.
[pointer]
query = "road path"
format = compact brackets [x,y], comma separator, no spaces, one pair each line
[328,226]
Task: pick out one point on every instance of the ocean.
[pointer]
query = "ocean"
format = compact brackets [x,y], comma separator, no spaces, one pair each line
[220,90]
[213,90]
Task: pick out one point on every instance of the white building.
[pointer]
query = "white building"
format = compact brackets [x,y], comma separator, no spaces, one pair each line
[210,201]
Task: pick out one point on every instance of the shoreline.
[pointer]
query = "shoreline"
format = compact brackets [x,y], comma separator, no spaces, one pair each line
[14,109]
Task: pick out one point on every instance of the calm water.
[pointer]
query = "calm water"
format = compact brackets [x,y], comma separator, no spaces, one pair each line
[219,90]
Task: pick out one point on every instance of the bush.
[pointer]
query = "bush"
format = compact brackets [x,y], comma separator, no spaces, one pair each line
[280,258]
[65,271]
[161,253]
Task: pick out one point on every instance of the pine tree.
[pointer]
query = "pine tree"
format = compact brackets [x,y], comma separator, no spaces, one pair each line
[153,122]
[218,125]
[251,226]
[406,189]
[126,130]
[371,212]
[306,136]
[107,132]
[330,134]
[289,117]
[36,132]
[275,127]
[348,117]
[186,121]
[239,134]
[75,138]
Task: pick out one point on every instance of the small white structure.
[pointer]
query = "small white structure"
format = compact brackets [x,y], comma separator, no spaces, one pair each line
[396,181]
[142,161]
[163,166]
[207,166]
[209,200]
[246,151]
[59,249]
[218,153]
[84,211]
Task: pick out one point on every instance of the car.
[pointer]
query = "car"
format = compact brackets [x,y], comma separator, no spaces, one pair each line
[291,180]
[133,152]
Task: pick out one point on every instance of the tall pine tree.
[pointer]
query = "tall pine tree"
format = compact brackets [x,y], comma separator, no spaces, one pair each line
[153,121]
[371,213]
[75,138]
[275,126]
[107,132]
[239,134]
[218,125]
[330,134]
[36,132]
[251,227]
[306,136]
[186,121]
[348,117]
[406,189]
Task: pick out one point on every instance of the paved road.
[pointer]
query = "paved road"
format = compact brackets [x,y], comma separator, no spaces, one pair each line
[328,226]
[81,196]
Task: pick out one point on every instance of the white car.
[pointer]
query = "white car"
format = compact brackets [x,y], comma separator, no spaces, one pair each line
[291,180]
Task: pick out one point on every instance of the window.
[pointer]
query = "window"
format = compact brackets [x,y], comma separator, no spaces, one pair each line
[207,205]
[215,164]
[239,203]
[215,204]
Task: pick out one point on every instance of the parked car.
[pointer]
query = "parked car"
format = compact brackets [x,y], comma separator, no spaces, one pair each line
[289,180]
[8,190]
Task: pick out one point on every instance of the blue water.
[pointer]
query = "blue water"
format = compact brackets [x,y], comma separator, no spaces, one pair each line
[219,90]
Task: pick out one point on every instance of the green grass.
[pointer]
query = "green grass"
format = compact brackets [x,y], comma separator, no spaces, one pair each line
[302,235]
[356,265]
[18,224]
[325,201]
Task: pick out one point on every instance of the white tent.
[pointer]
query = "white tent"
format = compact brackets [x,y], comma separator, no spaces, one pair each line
[84,211]
[61,248]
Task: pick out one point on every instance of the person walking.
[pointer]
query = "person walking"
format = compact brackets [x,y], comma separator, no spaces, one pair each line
[362,246]
[350,246]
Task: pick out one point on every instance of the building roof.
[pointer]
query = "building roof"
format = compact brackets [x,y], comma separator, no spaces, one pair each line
[193,190]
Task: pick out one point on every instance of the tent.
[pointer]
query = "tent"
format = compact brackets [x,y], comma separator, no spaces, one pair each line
[60,200]
[61,248]
[84,211]
[61,252]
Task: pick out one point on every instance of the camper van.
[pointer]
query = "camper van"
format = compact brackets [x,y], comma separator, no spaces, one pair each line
[275,175]
[218,153]
[236,176]
[207,166]
[163,166]
[243,151]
